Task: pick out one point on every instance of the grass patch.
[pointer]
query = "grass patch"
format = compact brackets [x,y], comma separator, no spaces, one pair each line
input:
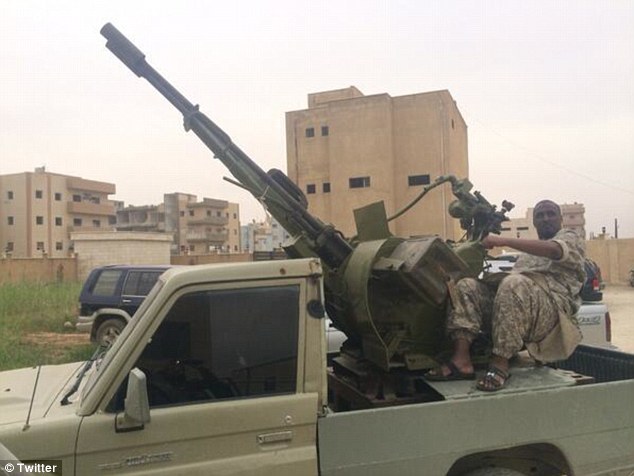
[32,317]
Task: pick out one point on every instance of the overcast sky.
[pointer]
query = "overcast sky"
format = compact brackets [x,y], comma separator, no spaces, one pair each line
[546,89]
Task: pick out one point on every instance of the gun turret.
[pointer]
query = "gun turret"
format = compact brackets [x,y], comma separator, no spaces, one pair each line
[388,294]
[281,197]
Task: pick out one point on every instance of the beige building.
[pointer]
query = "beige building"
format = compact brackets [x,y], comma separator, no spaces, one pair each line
[206,227]
[573,215]
[40,209]
[348,150]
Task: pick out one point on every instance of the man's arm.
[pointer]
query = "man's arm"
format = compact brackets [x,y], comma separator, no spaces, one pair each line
[546,248]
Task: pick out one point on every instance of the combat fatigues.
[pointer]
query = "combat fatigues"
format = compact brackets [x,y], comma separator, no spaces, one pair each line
[534,306]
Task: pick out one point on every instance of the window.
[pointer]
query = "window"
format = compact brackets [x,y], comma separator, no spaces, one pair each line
[415,180]
[10,195]
[59,246]
[359,182]
[235,216]
[38,194]
[140,283]
[208,213]
[198,354]
[182,213]
[9,247]
[522,228]
[235,247]
[191,213]
[77,222]
[39,246]
[76,198]
[10,221]
[310,188]
[310,132]
[324,130]
[58,197]
[106,284]
[96,223]
[39,220]
[192,247]
[219,214]
[58,221]
[326,187]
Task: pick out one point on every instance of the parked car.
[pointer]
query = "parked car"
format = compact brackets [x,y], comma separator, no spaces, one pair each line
[591,291]
[110,296]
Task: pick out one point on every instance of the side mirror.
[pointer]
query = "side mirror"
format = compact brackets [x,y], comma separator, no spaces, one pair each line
[136,409]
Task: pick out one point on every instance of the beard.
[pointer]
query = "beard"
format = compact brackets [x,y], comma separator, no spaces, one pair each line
[547,231]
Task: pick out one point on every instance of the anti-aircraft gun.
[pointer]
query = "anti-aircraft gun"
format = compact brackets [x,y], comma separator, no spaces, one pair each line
[386,293]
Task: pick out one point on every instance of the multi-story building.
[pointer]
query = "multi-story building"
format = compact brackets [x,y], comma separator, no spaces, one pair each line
[40,209]
[348,150]
[209,226]
[573,215]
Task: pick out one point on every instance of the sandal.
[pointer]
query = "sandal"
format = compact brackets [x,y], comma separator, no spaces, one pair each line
[455,373]
[494,379]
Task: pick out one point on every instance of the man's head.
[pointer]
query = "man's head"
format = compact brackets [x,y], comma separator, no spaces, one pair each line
[547,219]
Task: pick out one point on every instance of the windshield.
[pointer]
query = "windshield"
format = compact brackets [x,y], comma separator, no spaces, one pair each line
[104,359]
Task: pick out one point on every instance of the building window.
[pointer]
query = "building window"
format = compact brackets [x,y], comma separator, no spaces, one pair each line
[359,182]
[38,194]
[58,197]
[58,221]
[235,216]
[40,246]
[235,247]
[310,132]
[112,220]
[10,221]
[324,130]
[191,213]
[219,214]
[59,246]
[182,213]
[76,198]
[9,248]
[39,220]
[96,223]
[77,222]
[310,188]
[10,195]
[522,228]
[505,228]
[208,213]
[415,180]
[326,187]
[192,247]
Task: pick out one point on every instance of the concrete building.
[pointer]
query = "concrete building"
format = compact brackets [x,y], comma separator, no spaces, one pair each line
[348,150]
[573,215]
[267,235]
[39,210]
[206,227]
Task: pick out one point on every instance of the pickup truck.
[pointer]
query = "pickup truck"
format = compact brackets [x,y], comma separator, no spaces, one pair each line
[224,371]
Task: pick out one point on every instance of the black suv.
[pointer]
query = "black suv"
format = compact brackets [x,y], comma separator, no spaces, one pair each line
[110,297]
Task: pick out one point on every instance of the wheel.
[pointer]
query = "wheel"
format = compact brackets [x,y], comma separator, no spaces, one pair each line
[108,331]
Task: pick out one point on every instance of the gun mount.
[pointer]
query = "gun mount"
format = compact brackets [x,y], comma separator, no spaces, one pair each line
[387,294]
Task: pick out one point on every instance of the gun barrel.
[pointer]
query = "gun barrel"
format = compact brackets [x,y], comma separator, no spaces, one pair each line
[272,191]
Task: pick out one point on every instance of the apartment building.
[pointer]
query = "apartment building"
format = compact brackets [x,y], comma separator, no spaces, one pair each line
[266,235]
[39,210]
[198,227]
[573,215]
[348,150]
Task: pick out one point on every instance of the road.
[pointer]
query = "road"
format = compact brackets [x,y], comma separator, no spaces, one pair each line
[620,302]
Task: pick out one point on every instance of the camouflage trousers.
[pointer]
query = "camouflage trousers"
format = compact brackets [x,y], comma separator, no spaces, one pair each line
[517,312]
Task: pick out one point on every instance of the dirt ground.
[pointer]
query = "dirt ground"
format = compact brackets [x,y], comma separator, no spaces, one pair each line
[620,302]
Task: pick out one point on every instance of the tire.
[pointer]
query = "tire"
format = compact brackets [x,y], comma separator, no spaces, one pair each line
[108,331]
[494,471]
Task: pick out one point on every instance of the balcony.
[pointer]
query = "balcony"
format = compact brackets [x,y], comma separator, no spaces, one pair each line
[207,237]
[216,221]
[89,229]
[209,203]
[77,183]
[87,208]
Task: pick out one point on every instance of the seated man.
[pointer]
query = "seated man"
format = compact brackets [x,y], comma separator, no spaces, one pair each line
[533,307]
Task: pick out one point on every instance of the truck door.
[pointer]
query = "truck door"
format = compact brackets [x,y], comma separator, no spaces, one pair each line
[138,284]
[225,387]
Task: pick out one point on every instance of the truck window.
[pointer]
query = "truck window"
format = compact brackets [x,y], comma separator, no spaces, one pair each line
[140,283]
[106,283]
[216,345]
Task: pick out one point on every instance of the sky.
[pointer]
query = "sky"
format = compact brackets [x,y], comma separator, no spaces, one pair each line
[546,89]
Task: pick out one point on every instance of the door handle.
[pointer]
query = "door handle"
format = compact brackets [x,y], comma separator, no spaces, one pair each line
[126,301]
[275,437]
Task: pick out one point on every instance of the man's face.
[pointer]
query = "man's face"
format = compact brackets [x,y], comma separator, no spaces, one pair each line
[547,220]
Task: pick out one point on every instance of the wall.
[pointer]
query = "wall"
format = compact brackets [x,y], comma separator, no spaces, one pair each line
[46,270]
[120,247]
[614,257]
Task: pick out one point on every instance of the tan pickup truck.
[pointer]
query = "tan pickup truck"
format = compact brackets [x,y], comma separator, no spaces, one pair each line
[223,372]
